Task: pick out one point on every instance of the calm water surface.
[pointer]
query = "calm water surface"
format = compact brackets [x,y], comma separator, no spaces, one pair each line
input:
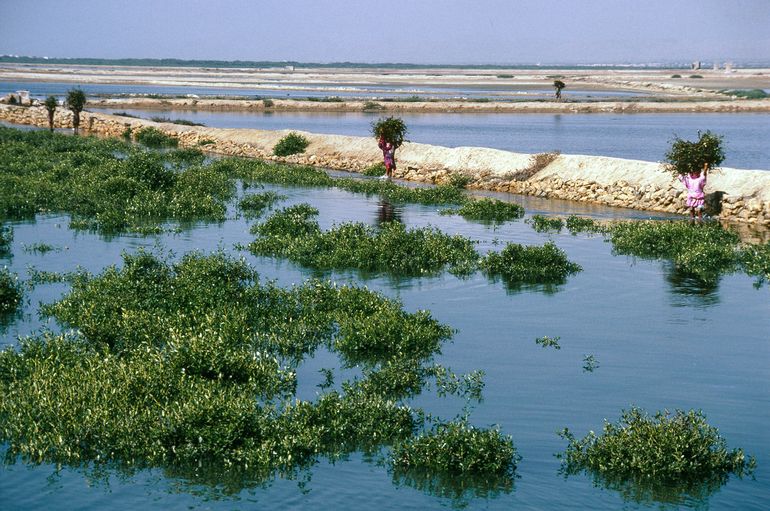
[660,342]
[633,136]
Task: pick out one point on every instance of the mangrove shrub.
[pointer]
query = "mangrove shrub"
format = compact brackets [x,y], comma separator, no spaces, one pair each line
[293,143]
[685,157]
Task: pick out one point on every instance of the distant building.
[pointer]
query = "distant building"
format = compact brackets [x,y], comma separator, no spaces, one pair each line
[695,65]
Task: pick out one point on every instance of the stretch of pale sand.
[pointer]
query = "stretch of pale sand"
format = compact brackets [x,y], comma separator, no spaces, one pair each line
[509,90]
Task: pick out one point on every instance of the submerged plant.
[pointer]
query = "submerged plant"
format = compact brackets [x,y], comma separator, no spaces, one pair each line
[755,261]
[517,264]
[257,203]
[549,342]
[10,292]
[542,223]
[191,366]
[656,457]
[6,237]
[488,210]
[394,249]
[705,251]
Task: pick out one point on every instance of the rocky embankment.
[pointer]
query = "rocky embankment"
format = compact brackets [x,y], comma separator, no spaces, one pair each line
[736,195]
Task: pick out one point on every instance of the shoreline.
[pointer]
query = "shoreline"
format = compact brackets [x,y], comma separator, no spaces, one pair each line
[439,106]
[737,196]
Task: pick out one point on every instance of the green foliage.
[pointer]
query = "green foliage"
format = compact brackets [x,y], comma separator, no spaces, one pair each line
[755,261]
[685,157]
[696,76]
[542,223]
[6,237]
[517,265]
[268,103]
[293,143]
[457,448]
[153,137]
[576,224]
[378,169]
[256,203]
[505,76]
[459,180]
[10,292]
[294,234]
[676,76]
[391,129]
[656,458]
[50,105]
[41,248]
[704,251]
[549,342]
[488,210]
[193,365]
[105,184]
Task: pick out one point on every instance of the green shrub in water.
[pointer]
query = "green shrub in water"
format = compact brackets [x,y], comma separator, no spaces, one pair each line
[704,250]
[457,448]
[153,137]
[755,261]
[487,210]
[10,291]
[656,457]
[542,223]
[294,234]
[517,264]
[293,143]
[192,364]
[576,224]
[6,237]
[255,203]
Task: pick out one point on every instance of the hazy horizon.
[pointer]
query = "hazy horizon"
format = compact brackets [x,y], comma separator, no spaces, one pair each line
[430,32]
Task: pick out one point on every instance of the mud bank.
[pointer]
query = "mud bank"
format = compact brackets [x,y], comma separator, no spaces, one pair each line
[735,195]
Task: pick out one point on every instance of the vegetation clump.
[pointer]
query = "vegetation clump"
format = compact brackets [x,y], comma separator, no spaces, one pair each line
[685,157]
[293,233]
[457,448]
[746,93]
[182,122]
[656,457]
[6,237]
[755,261]
[488,210]
[107,185]
[549,342]
[517,264]
[50,105]
[376,170]
[193,364]
[542,223]
[293,143]
[577,224]
[256,203]
[10,292]
[153,137]
[391,129]
[705,251]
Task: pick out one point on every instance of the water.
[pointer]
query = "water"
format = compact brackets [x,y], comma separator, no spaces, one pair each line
[632,136]
[660,342]
[41,90]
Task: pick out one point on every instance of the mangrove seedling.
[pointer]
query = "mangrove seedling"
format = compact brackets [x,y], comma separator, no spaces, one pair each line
[153,137]
[549,342]
[656,457]
[10,291]
[391,129]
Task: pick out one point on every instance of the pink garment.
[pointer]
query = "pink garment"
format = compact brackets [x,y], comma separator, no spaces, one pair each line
[695,186]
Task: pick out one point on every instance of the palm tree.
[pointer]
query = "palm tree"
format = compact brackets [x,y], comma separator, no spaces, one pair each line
[76,100]
[559,86]
[50,105]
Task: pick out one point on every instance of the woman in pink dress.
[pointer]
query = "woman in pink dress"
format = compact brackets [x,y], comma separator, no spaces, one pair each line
[695,182]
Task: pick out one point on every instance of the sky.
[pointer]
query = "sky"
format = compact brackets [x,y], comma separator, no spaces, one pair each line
[404,31]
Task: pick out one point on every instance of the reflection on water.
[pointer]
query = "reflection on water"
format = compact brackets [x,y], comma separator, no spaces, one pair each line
[387,212]
[459,490]
[690,289]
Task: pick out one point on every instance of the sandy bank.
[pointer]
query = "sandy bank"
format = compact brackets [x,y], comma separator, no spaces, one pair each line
[736,195]
[565,107]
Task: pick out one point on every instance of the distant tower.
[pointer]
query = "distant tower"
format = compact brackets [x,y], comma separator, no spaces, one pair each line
[716,66]
[696,65]
[728,67]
